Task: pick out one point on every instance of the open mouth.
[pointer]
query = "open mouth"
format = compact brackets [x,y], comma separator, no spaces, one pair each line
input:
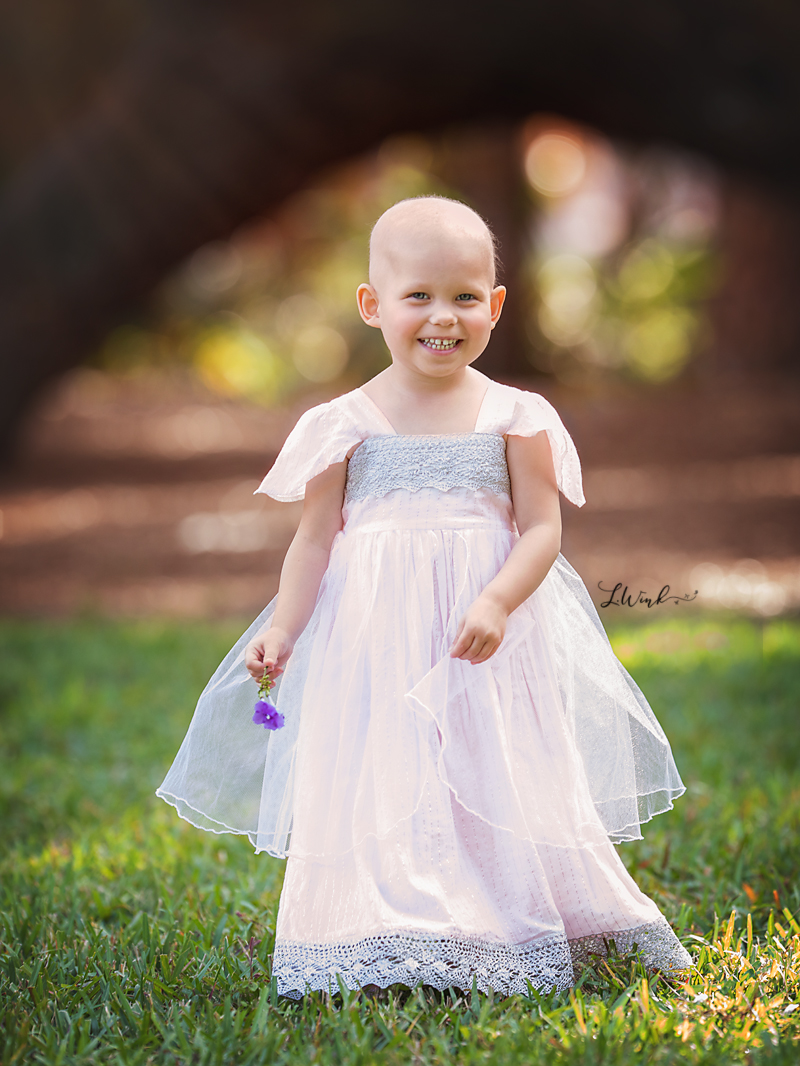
[440,344]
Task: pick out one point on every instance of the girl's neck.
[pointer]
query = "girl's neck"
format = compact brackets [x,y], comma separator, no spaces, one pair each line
[422,405]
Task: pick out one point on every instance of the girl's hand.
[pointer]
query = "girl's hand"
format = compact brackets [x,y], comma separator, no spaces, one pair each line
[268,651]
[480,632]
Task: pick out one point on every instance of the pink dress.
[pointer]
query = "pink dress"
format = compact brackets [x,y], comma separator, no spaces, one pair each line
[442,822]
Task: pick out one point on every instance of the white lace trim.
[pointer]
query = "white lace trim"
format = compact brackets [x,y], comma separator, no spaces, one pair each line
[414,958]
[656,942]
[395,461]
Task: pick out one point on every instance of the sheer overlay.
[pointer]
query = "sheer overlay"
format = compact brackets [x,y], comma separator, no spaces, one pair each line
[462,815]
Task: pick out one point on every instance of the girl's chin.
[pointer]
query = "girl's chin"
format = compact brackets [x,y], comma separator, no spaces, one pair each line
[442,364]
[429,361]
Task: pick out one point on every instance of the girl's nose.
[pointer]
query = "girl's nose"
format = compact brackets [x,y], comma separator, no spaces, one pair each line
[443,315]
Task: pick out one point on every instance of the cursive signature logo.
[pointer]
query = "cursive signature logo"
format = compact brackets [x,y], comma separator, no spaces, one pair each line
[624,598]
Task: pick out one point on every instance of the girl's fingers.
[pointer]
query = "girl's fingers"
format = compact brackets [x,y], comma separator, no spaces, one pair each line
[456,647]
[461,646]
[472,645]
[475,646]
[488,650]
[252,663]
[484,649]
[477,650]
[482,653]
[266,655]
[256,662]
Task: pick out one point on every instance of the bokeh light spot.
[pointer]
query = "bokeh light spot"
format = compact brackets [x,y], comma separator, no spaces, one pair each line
[215,267]
[646,272]
[320,353]
[567,287]
[658,345]
[237,362]
[555,164]
[297,312]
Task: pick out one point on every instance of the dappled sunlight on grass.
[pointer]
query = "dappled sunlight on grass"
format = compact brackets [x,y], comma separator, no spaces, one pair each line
[130,937]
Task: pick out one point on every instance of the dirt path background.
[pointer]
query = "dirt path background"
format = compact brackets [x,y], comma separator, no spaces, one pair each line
[134,496]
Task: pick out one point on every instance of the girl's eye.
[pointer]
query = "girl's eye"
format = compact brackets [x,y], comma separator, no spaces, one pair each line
[464,296]
[419,296]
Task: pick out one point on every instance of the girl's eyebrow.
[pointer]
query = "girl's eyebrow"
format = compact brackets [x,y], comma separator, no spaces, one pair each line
[427,288]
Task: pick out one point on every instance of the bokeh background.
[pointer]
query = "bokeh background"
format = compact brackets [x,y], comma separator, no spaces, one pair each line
[185,202]
[186,191]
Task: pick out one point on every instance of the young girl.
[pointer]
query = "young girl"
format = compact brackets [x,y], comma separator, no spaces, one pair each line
[461,745]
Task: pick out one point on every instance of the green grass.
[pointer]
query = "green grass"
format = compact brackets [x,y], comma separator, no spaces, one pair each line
[130,937]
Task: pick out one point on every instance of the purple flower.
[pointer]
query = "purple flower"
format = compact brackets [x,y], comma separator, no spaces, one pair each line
[263,710]
[267,715]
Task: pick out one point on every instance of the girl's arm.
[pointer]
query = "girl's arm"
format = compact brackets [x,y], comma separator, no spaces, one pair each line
[537,511]
[301,574]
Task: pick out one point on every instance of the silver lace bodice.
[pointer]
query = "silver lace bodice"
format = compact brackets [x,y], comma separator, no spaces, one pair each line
[396,461]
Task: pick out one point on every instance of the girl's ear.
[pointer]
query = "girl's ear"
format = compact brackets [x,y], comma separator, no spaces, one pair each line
[367,300]
[496,301]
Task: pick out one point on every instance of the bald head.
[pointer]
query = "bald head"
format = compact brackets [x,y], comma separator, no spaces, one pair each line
[428,221]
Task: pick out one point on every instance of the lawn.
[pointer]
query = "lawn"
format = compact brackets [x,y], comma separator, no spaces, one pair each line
[130,937]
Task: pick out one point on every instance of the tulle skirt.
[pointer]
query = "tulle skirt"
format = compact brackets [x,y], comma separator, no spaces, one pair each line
[443,822]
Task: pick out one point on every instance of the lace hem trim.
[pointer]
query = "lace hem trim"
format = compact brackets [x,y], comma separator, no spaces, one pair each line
[412,958]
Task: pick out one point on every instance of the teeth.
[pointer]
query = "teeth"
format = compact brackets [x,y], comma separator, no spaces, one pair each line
[440,343]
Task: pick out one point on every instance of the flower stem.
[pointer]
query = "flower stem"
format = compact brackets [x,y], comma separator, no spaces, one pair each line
[265,686]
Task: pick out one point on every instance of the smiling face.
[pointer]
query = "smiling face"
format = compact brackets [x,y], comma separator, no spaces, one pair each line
[432,290]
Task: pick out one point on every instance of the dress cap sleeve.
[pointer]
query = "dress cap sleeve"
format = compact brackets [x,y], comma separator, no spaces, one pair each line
[526,414]
[322,436]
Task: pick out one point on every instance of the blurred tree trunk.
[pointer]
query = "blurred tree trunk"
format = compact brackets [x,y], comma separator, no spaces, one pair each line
[755,313]
[219,110]
[483,163]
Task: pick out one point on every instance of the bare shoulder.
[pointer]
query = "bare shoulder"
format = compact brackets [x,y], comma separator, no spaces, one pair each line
[375,387]
[477,376]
